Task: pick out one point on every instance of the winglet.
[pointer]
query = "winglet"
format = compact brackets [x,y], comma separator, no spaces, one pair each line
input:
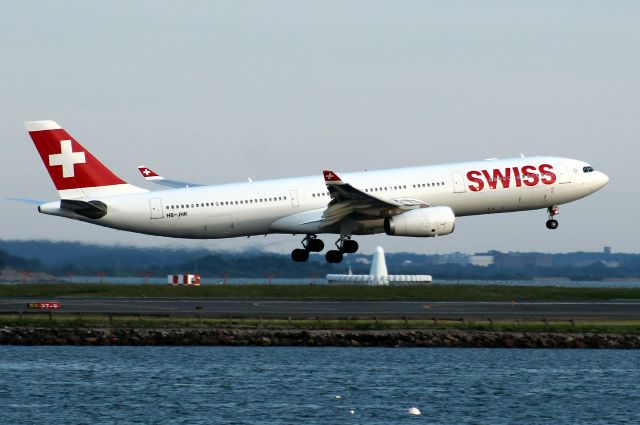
[331,178]
[148,173]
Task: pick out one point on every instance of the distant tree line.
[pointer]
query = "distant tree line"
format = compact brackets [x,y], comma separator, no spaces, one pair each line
[61,258]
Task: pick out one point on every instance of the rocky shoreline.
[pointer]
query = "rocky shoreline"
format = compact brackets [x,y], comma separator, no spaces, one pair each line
[312,338]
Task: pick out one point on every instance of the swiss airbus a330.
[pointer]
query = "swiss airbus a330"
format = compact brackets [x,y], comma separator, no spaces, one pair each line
[418,201]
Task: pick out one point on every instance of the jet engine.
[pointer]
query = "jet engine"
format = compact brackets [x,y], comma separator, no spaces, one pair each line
[423,222]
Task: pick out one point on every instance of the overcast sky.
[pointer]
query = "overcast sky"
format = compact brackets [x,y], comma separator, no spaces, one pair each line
[220,91]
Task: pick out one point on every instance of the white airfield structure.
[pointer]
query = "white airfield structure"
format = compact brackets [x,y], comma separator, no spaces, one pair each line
[378,275]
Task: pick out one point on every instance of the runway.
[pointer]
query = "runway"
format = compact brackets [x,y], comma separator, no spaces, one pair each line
[468,310]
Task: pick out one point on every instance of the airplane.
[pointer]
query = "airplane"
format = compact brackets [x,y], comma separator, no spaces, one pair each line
[421,201]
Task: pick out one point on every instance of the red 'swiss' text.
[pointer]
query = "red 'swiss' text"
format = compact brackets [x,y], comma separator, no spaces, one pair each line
[527,175]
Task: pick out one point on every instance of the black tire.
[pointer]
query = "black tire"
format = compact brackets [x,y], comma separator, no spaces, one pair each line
[299,255]
[552,224]
[333,256]
[350,246]
[315,245]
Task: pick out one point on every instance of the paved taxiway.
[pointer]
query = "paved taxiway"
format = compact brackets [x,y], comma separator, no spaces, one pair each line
[610,309]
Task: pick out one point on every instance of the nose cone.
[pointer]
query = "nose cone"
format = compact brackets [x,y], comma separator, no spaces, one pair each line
[596,181]
[602,179]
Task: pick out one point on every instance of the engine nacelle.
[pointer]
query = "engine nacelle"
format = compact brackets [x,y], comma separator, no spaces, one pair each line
[423,222]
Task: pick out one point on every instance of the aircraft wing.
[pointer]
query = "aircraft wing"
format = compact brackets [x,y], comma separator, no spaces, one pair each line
[152,176]
[347,200]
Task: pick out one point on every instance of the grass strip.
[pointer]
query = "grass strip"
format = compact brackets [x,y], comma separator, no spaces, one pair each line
[434,292]
[70,320]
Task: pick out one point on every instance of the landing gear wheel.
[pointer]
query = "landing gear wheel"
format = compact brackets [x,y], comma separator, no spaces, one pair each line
[552,211]
[334,256]
[300,255]
[315,245]
[311,243]
[350,246]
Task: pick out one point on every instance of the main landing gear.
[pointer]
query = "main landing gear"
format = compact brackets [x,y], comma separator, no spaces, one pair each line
[345,245]
[552,223]
[311,243]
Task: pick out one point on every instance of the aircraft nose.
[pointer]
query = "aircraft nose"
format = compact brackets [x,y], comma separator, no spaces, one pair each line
[602,179]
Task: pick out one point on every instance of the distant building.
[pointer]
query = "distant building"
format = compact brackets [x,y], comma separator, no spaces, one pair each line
[453,258]
[514,260]
[481,260]
[607,250]
[378,275]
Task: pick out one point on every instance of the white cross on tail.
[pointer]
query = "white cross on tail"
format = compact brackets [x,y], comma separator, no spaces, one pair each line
[67,158]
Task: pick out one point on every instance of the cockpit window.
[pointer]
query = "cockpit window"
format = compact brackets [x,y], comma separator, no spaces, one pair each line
[587,169]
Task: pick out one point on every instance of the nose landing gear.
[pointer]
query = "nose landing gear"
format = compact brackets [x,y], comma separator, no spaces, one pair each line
[552,223]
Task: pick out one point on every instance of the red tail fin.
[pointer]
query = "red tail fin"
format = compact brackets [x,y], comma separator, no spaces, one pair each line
[74,171]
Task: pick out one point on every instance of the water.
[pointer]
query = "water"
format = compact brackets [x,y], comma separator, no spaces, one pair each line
[295,385]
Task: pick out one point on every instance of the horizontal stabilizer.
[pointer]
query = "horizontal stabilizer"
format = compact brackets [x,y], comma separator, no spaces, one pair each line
[28,201]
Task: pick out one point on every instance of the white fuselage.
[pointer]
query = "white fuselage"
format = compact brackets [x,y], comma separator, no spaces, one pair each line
[295,205]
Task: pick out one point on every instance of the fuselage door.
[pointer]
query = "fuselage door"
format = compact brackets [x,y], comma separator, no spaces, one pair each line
[155,205]
[295,203]
[458,183]
[564,177]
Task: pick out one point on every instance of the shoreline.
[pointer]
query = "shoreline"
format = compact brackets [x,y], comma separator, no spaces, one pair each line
[104,336]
